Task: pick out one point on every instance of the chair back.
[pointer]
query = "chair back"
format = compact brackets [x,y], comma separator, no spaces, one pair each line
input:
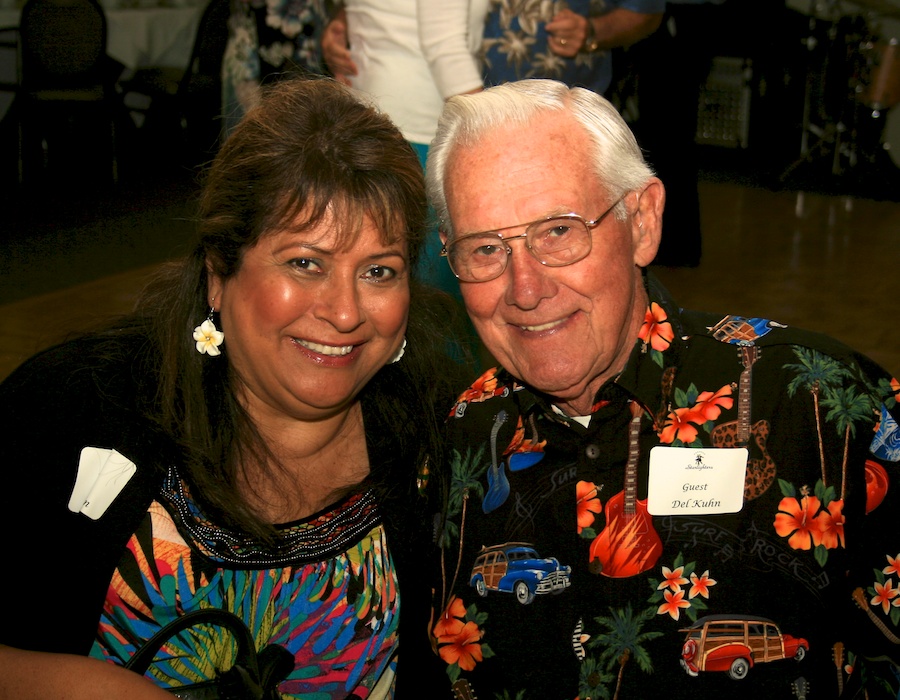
[209,43]
[200,90]
[9,59]
[63,44]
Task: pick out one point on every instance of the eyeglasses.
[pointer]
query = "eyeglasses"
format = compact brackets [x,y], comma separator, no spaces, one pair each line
[555,241]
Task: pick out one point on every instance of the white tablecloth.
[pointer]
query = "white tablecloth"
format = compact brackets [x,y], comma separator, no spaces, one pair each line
[142,37]
[137,38]
[152,37]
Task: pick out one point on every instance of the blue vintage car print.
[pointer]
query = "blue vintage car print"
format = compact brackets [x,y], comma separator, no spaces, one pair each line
[515,567]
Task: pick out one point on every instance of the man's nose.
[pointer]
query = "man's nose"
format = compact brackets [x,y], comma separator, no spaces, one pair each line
[528,281]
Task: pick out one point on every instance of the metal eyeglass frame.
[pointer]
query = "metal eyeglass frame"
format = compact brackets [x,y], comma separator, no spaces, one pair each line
[529,230]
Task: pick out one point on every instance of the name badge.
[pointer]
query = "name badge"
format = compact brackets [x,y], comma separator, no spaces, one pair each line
[703,481]
[102,474]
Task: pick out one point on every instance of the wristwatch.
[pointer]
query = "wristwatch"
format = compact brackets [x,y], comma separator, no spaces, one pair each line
[591,43]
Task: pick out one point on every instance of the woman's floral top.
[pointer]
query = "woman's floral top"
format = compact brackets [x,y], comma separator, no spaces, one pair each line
[327,594]
[724,522]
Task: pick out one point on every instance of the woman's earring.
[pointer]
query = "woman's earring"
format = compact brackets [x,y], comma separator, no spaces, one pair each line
[208,337]
[398,354]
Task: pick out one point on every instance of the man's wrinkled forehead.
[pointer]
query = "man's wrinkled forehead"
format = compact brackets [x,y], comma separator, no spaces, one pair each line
[491,181]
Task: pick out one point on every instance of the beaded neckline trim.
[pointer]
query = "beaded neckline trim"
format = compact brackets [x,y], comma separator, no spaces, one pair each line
[322,537]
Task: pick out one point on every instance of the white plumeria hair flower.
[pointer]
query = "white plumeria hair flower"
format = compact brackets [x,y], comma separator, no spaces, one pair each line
[208,337]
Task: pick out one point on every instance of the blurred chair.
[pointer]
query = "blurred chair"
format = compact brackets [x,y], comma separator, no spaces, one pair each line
[67,103]
[184,106]
[9,88]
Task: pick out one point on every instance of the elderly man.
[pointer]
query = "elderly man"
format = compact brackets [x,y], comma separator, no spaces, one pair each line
[642,501]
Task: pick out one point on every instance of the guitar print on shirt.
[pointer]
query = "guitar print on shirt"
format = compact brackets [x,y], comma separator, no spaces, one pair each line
[737,433]
[628,545]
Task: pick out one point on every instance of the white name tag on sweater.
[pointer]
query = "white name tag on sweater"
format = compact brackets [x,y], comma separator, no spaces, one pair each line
[102,474]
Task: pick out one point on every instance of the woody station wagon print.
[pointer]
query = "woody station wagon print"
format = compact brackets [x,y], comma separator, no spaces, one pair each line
[515,567]
[734,644]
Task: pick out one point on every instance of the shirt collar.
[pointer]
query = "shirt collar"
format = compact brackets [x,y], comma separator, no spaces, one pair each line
[650,373]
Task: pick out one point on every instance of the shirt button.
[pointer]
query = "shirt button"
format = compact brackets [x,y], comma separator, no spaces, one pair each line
[592,451]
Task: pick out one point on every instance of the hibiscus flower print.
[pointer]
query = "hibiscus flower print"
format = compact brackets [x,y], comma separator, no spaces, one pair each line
[681,424]
[831,525]
[695,409]
[656,329]
[587,504]
[796,521]
[451,621]
[463,648]
[710,404]
[458,635]
[656,332]
[484,388]
[459,638]
[811,522]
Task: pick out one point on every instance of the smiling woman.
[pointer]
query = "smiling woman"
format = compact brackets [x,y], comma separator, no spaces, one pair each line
[251,440]
[317,320]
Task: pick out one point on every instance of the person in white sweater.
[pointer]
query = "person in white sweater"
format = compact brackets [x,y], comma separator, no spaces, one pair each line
[409,56]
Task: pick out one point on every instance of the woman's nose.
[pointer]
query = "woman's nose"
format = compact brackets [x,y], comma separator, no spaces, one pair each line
[339,304]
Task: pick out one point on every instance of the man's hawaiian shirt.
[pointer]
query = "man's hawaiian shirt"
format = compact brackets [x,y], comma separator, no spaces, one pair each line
[612,560]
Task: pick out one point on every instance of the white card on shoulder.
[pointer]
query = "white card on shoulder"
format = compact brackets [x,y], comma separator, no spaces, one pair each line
[102,474]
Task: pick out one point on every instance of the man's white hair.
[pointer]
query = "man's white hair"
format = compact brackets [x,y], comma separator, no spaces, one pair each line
[466,119]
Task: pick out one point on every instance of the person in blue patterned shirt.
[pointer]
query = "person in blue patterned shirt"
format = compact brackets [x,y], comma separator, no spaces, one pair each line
[566,40]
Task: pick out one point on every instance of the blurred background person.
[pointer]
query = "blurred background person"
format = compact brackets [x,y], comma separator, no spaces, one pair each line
[634,54]
[268,40]
[656,87]
[566,41]
[412,58]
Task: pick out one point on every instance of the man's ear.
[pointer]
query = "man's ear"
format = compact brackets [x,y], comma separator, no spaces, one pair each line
[646,221]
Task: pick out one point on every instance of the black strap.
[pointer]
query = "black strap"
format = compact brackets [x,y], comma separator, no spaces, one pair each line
[246,655]
[251,677]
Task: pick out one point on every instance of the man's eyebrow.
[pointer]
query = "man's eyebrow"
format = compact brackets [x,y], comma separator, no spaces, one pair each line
[560,211]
